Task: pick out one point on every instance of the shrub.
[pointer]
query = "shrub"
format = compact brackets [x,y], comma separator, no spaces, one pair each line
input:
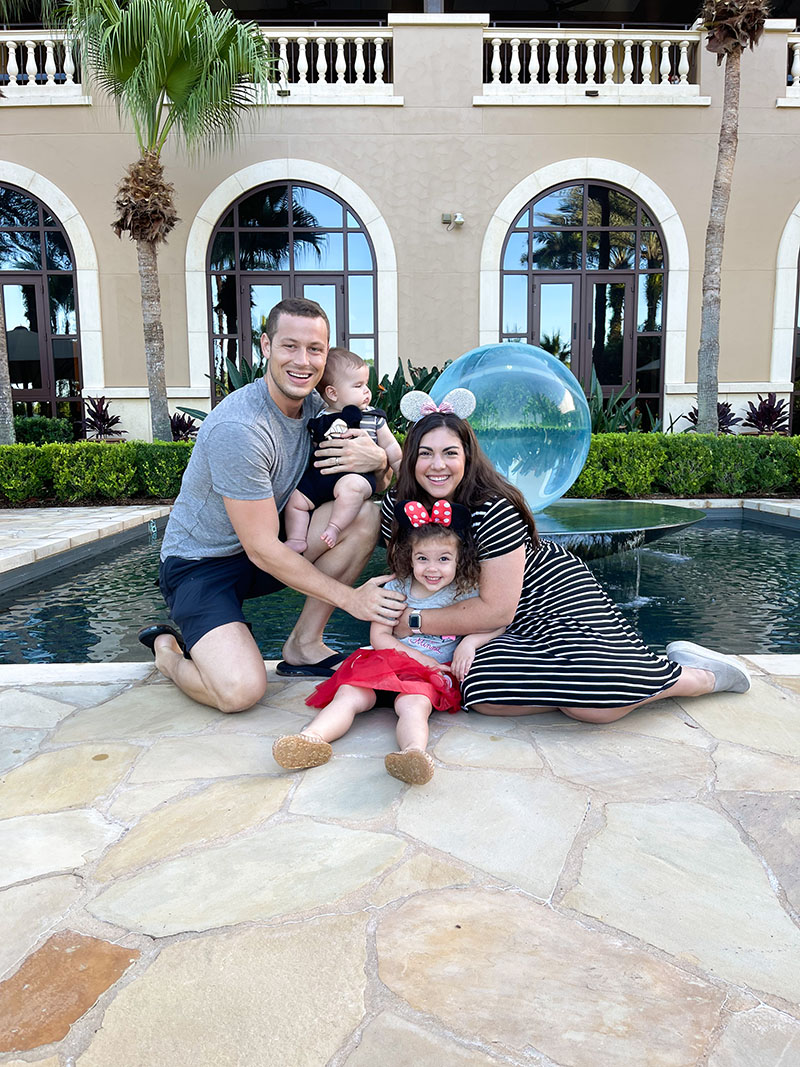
[734,464]
[640,458]
[776,464]
[160,466]
[39,430]
[687,464]
[86,469]
[24,472]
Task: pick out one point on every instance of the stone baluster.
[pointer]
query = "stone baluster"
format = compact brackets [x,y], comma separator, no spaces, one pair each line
[496,65]
[322,61]
[608,63]
[552,63]
[302,61]
[794,77]
[30,65]
[50,62]
[514,65]
[341,64]
[12,66]
[683,63]
[627,62]
[534,61]
[647,63]
[378,64]
[283,61]
[572,61]
[590,67]
[69,62]
[664,68]
[359,65]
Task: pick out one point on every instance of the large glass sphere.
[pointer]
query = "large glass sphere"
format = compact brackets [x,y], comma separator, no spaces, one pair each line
[531,419]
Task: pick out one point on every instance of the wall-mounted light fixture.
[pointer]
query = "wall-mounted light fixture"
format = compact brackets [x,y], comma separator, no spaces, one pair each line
[452,218]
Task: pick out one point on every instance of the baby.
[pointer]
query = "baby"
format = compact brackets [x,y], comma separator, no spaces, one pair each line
[344,388]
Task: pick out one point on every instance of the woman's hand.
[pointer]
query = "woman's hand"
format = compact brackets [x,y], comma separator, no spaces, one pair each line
[353,451]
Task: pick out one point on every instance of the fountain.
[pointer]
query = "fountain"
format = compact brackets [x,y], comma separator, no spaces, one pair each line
[533,422]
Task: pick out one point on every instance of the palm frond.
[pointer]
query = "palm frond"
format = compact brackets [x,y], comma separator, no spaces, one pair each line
[733,25]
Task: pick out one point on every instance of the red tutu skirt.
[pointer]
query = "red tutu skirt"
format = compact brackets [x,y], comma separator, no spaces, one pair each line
[386,668]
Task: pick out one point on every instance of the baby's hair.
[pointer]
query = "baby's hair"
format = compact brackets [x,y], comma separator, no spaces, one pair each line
[405,540]
[339,359]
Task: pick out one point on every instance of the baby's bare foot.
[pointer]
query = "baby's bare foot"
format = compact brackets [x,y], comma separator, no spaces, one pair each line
[330,535]
[297,544]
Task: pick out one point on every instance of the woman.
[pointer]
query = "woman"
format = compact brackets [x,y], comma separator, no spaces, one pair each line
[566,647]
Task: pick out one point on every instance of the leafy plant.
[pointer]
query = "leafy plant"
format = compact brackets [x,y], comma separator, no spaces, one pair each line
[41,430]
[24,472]
[725,417]
[613,413]
[89,469]
[388,393]
[99,422]
[183,427]
[770,416]
[160,466]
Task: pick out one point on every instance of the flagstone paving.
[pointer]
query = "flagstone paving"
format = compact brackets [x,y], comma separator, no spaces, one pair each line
[559,895]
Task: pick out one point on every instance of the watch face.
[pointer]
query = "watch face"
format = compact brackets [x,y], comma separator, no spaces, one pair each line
[414,620]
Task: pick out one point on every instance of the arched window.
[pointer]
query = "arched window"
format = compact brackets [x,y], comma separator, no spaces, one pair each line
[584,276]
[289,239]
[37,276]
[794,417]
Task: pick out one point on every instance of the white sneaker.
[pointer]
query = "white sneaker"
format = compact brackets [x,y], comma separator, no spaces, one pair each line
[729,675]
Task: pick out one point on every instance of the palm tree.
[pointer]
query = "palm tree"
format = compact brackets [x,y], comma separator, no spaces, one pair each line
[732,25]
[172,67]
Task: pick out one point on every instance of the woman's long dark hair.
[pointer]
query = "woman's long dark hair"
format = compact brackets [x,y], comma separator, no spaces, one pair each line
[481,483]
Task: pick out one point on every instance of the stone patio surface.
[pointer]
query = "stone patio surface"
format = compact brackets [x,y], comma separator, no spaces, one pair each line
[559,895]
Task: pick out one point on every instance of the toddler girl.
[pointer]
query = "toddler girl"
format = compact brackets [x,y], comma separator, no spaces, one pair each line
[344,388]
[436,562]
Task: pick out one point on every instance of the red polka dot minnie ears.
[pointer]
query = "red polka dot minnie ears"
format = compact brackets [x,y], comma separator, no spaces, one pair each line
[416,404]
[410,514]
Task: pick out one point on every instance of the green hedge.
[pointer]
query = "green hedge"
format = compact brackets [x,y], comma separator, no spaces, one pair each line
[618,464]
[86,470]
[688,465]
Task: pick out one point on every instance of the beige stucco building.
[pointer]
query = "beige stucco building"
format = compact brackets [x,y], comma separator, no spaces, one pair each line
[453,183]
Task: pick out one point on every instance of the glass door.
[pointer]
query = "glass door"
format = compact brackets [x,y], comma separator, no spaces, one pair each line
[556,310]
[329,294]
[23,305]
[609,317]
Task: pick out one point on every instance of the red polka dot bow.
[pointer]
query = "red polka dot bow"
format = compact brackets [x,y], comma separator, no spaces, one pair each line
[441,513]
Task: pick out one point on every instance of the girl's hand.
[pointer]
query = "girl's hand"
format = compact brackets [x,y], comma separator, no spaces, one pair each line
[462,660]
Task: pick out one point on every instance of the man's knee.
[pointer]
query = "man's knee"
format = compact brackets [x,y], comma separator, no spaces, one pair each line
[239,694]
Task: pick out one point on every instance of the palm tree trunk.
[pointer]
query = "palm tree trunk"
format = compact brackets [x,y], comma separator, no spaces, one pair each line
[153,339]
[708,353]
[7,435]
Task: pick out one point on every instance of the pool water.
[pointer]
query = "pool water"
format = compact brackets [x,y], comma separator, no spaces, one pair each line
[735,588]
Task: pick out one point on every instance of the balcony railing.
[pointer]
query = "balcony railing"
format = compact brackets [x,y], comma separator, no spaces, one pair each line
[39,67]
[334,66]
[793,79]
[574,66]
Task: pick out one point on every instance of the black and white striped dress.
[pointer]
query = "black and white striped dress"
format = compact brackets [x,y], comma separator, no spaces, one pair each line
[568,645]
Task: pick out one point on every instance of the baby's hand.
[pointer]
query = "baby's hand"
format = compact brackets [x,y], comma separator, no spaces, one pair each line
[462,661]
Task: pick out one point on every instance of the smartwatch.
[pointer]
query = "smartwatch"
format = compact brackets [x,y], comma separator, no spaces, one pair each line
[415,622]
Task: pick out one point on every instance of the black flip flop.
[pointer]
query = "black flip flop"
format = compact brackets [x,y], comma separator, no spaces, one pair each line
[323,669]
[147,636]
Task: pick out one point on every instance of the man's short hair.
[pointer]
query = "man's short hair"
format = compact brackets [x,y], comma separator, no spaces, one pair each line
[338,359]
[295,305]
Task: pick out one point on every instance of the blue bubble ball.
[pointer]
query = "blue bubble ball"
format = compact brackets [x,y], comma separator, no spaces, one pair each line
[531,418]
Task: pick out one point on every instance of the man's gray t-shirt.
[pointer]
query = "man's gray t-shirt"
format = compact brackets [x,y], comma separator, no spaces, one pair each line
[246,449]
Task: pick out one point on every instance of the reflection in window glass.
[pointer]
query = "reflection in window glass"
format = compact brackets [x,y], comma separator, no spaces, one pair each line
[613,250]
[66,370]
[224,305]
[228,220]
[325,296]
[20,251]
[648,365]
[62,304]
[352,223]
[22,335]
[556,250]
[313,208]
[516,252]
[651,291]
[17,209]
[222,256]
[651,253]
[362,308]
[608,304]
[267,207]
[515,303]
[56,251]
[263,299]
[318,251]
[19,305]
[223,350]
[609,207]
[524,221]
[359,255]
[555,319]
[564,207]
[259,251]
[365,347]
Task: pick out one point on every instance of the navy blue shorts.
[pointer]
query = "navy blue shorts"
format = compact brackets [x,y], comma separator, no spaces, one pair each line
[202,594]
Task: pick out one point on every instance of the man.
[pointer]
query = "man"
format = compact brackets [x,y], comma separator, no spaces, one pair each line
[222,543]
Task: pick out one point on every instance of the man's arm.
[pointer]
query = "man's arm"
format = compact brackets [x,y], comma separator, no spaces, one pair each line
[257,524]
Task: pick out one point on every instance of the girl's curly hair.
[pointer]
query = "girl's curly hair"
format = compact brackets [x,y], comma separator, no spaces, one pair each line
[404,540]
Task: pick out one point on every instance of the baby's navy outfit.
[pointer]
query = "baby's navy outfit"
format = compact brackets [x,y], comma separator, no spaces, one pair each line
[318,487]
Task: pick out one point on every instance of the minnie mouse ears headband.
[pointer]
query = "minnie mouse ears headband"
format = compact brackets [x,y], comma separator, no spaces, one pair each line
[416,404]
[410,515]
